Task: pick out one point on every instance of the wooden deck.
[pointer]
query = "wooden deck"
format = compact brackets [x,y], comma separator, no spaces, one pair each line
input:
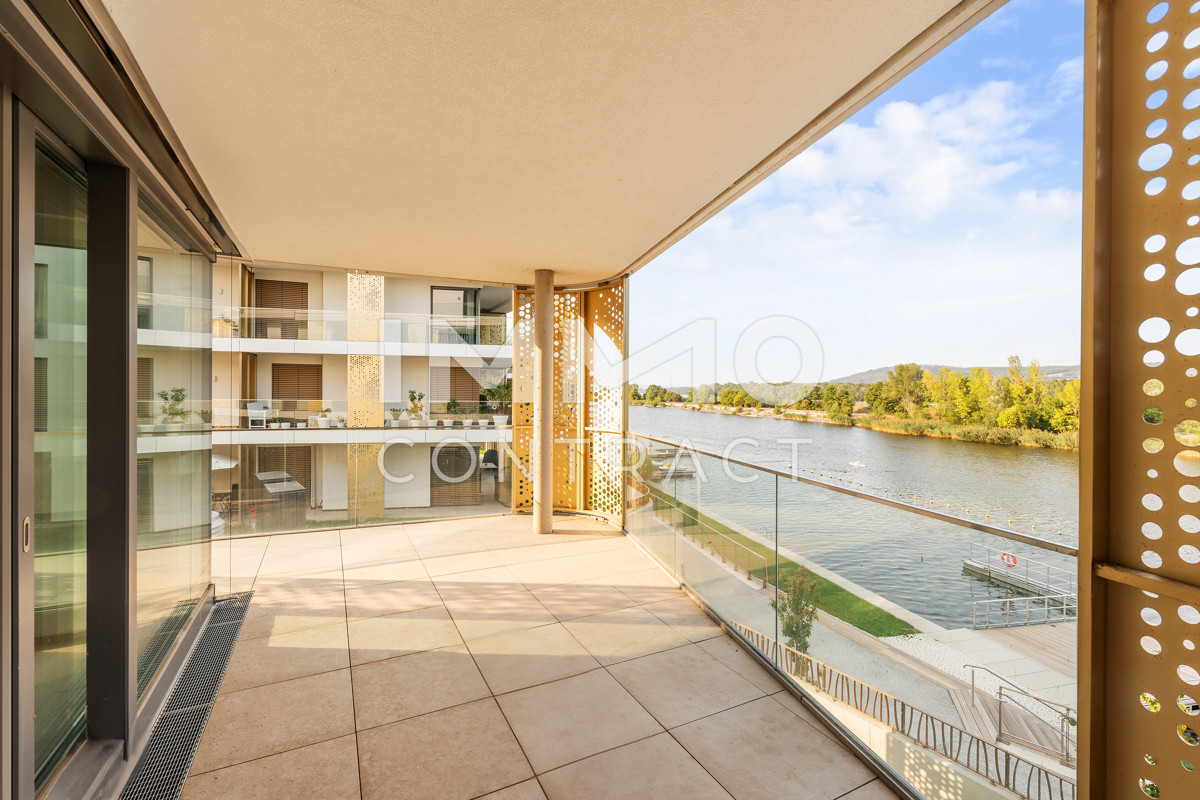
[1053,644]
[981,716]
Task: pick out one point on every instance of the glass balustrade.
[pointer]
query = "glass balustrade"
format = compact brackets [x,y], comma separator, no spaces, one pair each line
[872,607]
[484,330]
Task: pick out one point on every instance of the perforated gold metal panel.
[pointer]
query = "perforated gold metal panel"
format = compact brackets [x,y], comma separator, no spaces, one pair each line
[522,403]
[363,377]
[364,306]
[1140,460]
[366,482]
[604,325]
[568,411]
[589,349]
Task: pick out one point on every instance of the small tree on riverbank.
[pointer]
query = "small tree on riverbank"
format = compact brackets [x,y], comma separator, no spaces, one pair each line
[797,607]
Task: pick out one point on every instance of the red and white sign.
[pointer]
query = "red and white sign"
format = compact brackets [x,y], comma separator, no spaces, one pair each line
[1009,559]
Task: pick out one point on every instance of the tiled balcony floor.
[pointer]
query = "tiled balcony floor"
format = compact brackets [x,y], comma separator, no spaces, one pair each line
[471,658]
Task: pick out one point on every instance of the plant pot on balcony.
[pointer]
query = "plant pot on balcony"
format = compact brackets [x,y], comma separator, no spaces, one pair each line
[499,419]
[275,425]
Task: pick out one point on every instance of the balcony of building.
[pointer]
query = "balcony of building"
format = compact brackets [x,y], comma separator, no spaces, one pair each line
[282,330]
[464,658]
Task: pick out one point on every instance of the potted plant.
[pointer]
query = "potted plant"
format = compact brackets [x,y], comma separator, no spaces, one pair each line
[452,409]
[206,416]
[323,420]
[339,420]
[172,406]
[416,408]
[395,421]
[275,422]
[497,396]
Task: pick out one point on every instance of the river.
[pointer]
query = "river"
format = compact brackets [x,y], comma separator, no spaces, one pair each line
[913,560]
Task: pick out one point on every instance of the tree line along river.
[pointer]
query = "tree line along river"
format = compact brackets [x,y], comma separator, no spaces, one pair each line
[913,560]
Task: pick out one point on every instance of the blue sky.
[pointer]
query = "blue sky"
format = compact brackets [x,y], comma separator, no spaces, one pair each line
[940,224]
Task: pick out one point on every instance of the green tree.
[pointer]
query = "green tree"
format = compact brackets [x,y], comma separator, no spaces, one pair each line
[727,396]
[797,607]
[905,382]
[1065,414]
[634,394]
[654,393]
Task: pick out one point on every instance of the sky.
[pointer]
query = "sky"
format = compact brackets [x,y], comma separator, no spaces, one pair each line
[941,224]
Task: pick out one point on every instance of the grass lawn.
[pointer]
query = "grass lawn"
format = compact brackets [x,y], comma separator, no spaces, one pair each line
[834,599]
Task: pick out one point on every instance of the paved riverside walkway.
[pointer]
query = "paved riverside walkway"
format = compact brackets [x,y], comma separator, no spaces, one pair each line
[471,658]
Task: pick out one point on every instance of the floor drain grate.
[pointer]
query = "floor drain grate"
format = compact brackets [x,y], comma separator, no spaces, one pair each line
[164,766]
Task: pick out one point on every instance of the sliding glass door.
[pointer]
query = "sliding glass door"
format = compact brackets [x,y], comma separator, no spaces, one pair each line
[51,461]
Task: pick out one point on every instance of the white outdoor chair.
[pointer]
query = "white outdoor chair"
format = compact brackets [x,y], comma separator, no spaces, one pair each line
[256,415]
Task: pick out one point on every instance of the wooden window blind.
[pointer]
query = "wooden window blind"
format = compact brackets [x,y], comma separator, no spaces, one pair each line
[41,300]
[42,499]
[296,381]
[41,394]
[145,388]
[145,495]
[456,382]
[280,294]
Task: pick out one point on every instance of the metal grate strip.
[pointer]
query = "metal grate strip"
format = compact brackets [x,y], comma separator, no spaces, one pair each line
[163,767]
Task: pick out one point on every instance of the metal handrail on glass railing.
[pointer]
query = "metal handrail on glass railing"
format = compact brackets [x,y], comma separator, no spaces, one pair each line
[483,330]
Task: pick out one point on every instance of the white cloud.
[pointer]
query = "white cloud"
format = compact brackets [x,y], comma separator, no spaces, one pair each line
[1006,62]
[926,233]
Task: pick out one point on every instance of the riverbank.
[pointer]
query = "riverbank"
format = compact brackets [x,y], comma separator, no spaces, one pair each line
[1011,437]
[834,598]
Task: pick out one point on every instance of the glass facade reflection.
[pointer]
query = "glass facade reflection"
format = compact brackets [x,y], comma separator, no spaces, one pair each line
[174,413]
[59,461]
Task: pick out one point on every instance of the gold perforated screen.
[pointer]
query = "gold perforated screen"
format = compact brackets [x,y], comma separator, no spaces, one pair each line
[589,396]
[1140,476]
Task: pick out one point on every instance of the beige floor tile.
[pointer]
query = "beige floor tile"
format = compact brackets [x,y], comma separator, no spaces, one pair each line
[573,600]
[788,701]
[574,718]
[358,555]
[645,586]
[396,635]
[418,530]
[318,539]
[727,651]
[362,575]
[460,562]
[526,790]
[684,684]
[569,569]
[761,749]
[521,658]
[480,583]
[274,588]
[687,618]
[284,656]
[654,767]
[293,614]
[382,599]
[325,771]
[383,535]
[486,616]
[623,634]
[460,752]
[300,560]
[875,790]
[275,718]
[399,688]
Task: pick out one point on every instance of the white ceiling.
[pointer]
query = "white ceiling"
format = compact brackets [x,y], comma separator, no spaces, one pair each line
[483,140]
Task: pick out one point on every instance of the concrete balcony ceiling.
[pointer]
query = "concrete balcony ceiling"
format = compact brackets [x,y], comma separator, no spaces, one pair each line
[483,141]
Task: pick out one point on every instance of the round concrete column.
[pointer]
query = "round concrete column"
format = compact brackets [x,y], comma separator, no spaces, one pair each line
[543,403]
